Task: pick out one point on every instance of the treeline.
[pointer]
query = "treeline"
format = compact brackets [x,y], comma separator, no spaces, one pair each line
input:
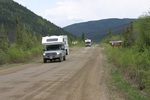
[25,47]
[8,11]
[21,32]
[133,58]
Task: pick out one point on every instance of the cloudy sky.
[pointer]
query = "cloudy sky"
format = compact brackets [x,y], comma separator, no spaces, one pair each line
[66,12]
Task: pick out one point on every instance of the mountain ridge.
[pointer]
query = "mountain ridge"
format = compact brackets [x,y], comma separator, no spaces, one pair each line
[93,29]
[9,9]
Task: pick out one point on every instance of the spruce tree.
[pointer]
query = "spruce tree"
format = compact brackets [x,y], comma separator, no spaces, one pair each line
[35,42]
[131,35]
[30,42]
[110,33]
[18,34]
[4,42]
[2,37]
[124,32]
[83,38]
[24,38]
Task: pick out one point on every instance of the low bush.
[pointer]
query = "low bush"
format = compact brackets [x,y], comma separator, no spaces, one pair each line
[132,62]
[3,57]
[16,55]
[124,86]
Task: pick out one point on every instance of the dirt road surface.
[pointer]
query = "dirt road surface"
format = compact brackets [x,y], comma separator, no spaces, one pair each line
[80,77]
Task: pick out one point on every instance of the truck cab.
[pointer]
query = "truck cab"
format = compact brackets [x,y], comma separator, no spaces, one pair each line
[87,42]
[55,48]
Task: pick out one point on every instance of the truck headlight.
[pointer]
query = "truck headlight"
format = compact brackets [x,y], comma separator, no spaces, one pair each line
[44,54]
[58,53]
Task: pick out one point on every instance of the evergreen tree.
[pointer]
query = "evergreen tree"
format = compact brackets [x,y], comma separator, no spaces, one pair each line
[120,36]
[29,42]
[110,33]
[128,36]
[71,38]
[83,38]
[4,42]
[35,42]
[40,39]
[18,34]
[24,38]
[143,28]
[124,32]
[131,35]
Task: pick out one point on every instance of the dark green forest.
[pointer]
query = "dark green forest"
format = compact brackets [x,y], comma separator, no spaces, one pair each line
[34,23]
[21,32]
[133,57]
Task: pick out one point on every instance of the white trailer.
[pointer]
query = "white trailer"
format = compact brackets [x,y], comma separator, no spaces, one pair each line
[56,47]
[88,42]
[56,40]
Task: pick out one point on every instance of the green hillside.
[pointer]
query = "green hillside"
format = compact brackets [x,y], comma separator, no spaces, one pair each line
[97,30]
[21,32]
[10,9]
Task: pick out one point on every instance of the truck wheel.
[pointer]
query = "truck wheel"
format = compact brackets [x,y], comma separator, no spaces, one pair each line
[44,61]
[66,52]
[60,59]
[64,58]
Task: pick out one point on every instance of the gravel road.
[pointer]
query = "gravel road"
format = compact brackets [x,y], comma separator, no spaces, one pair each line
[80,77]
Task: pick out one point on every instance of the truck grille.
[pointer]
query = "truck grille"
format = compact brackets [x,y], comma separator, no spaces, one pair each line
[51,54]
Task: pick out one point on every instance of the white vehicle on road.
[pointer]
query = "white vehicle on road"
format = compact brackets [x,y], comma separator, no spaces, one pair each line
[56,47]
[88,42]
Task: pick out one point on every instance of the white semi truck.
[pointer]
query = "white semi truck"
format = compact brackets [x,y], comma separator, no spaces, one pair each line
[88,42]
[56,47]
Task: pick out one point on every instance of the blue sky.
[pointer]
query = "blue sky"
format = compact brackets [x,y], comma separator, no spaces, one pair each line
[66,12]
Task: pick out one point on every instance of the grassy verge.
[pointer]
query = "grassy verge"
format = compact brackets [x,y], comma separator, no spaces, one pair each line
[81,44]
[6,66]
[129,93]
[35,59]
[126,61]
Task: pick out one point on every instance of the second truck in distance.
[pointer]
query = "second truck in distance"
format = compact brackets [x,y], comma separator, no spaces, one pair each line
[88,42]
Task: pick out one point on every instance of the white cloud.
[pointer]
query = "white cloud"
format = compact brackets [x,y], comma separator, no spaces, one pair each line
[73,11]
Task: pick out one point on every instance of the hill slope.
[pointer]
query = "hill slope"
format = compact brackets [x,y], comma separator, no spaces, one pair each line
[10,9]
[97,30]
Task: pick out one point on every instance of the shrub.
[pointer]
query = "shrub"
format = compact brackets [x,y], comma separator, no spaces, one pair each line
[16,55]
[130,61]
[3,57]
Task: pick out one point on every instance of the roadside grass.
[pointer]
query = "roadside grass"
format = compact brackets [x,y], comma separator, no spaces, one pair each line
[6,66]
[81,44]
[124,87]
[34,59]
[125,61]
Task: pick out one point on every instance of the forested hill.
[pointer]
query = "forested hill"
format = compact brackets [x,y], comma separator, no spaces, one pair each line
[97,30]
[36,24]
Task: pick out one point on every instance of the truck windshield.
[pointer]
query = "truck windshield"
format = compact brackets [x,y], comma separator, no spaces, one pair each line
[88,42]
[53,47]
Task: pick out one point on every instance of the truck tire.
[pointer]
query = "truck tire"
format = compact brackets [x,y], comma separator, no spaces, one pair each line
[60,59]
[66,52]
[44,60]
[64,58]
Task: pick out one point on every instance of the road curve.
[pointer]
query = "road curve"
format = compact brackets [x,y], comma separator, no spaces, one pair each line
[80,77]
